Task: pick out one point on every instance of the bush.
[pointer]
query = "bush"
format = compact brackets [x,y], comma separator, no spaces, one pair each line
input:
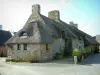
[86,51]
[58,55]
[83,51]
[67,53]
[15,60]
[7,60]
[92,49]
[96,49]
[76,52]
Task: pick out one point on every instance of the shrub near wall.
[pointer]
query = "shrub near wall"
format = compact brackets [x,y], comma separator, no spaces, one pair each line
[15,60]
[86,51]
[96,49]
[77,53]
[59,55]
[92,49]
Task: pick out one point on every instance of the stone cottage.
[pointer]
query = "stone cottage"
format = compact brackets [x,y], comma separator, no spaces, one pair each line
[42,37]
[97,38]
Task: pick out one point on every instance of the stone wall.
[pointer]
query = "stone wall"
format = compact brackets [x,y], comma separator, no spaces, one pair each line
[46,54]
[98,39]
[37,51]
[3,51]
[57,46]
[32,52]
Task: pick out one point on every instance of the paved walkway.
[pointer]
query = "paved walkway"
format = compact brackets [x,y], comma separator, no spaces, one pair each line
[91,66]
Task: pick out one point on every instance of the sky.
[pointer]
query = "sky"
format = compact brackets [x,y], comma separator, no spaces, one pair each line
[14,13]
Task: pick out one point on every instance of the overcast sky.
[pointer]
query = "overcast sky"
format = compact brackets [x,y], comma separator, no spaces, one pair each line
[86,13]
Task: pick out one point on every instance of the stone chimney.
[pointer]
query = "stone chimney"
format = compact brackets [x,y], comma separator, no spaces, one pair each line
[0,27]
[36,8]
[54,15]
[73,24]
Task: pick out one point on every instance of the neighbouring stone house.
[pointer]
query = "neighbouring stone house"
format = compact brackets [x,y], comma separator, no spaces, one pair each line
[4,36]
[42,37]
[97,38]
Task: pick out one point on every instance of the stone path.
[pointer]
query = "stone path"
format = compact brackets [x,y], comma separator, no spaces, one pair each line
[60,67]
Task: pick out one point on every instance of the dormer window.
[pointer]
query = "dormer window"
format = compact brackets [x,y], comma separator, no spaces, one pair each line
[23,34]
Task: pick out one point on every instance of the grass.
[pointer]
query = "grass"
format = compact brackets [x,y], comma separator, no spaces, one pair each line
[10,62]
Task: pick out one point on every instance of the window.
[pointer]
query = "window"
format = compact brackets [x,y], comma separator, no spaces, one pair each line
[79,47]
[63,34]
[23,33]
[25,46]
[18,46]
[46,46]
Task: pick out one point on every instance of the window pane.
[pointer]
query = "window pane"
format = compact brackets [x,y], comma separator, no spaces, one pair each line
[46,46]
[18,46]
[25,46]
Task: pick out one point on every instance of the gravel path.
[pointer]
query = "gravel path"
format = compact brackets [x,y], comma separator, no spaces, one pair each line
[60,67]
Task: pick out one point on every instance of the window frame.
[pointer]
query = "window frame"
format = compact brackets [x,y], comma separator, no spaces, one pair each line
[18,46]
[25,46]
[47,47]
[23,32]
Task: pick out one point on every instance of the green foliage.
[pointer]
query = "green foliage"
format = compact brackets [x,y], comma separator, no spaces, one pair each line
[96,49]
[7,60]
[67,53]
[92,48]
[86,50]
[83,50]
[76,52]
[14,60]
[59,55]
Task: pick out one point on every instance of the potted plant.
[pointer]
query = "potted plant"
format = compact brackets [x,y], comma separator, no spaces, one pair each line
[76,53]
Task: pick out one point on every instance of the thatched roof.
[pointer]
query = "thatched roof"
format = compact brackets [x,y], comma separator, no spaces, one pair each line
[38,30]
[42,29]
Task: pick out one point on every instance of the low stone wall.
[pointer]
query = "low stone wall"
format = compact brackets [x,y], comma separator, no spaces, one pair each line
[3,51]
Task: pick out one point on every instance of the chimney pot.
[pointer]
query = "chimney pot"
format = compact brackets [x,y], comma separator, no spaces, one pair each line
[54,15]
[72,24]
[36,8]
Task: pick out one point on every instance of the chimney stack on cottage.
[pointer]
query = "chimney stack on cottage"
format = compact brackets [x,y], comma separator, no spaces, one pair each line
[73,24]
[36,8]
[55,15]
